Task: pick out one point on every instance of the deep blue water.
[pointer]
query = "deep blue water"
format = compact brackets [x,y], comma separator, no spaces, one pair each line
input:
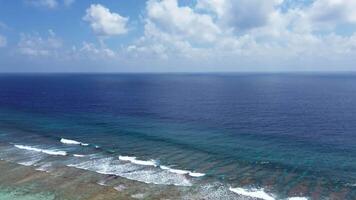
[282,132]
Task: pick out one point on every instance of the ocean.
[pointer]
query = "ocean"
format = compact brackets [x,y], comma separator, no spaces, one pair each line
[267,136]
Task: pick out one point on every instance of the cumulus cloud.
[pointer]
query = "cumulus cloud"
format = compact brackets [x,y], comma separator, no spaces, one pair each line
[336,11]
[34,45]
[180,21]
[91,51]
[105,23]
[240,14]
[236,32]
[171,29]
[220,34]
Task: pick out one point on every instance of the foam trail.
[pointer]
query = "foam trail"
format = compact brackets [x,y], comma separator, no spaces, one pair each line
[144,162]
[255,193]
[297,198]
[30,163]
[72,142]
[138,162]
[176,171]
[45,168]
[67,141]
[78,155]
[110,166]
[127,158]
[46,151]
[182,172]
[195,174]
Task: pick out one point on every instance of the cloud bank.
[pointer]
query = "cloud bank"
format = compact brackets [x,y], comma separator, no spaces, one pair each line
[214,35]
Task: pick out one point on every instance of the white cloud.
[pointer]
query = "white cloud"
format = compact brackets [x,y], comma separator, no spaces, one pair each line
[173,30]
[218,35]
[240,14]
[90,51]
[105,23]
[240,33]
[34,45]
[49,48]
[181,21]
[3,41]
[43,3]
[187,32]
[337,11]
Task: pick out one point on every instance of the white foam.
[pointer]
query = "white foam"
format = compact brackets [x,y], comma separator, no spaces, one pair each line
[46,151]
[182,172]
[30,162]
[211,191]
[176,171]
[67,141]
[46,167]
[78,155]
[72,142]
[164,167]
[110,166]
[297,198]
[145,162]
[127,158]
[138,162]
[152,176]
[195,174]
[255,193]
[28,158]
[27,163]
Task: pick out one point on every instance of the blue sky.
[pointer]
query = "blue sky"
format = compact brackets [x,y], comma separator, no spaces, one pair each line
[177,36]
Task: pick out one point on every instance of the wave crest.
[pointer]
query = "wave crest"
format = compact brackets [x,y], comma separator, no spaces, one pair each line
[182,172]
[72,142]
[110,166]
[138,162]
[46,151]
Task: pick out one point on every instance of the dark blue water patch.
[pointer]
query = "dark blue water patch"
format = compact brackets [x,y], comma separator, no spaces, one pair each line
[286,130]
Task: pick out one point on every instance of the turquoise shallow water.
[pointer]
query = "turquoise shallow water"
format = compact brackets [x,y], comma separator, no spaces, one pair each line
[284,135]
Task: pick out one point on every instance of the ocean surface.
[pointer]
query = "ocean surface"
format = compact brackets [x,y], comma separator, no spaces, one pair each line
[268,136]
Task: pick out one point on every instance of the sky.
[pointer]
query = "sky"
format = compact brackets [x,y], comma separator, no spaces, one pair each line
[177,35]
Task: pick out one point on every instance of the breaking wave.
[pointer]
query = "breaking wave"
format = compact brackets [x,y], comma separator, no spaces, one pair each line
[46,151]
[254,193]
[72,142]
